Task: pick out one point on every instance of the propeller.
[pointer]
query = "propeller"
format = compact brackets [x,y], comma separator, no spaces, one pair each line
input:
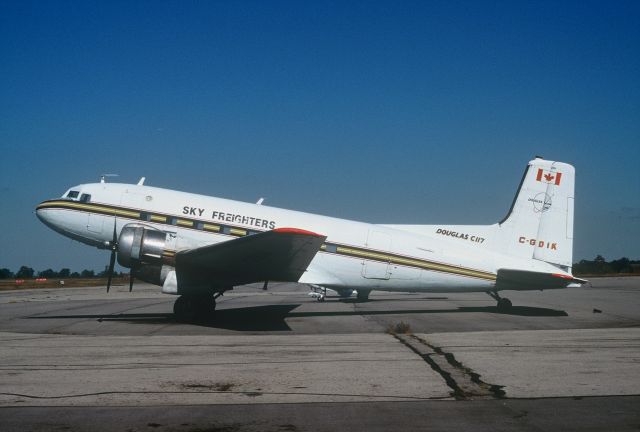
[133,267]
[112,260]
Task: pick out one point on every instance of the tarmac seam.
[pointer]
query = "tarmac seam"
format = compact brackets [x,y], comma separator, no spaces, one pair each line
[174,365]
[464,382]
[247,393]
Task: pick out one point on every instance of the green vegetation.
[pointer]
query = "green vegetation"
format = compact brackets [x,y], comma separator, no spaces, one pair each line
[25,272]
[399,328]
[600,266]
[597,266]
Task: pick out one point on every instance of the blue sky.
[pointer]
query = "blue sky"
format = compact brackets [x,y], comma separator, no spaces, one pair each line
[405,112]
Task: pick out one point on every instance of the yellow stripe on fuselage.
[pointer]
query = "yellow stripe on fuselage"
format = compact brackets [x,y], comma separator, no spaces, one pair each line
[340,250]
[412,262]
[184,223]
[97,208]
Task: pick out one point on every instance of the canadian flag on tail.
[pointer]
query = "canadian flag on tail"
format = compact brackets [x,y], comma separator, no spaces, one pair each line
[549,177]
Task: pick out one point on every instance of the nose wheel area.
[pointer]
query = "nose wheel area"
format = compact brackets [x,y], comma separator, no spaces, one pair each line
[194,307]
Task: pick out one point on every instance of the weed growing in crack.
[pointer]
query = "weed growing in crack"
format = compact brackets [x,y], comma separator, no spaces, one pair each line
[399,328]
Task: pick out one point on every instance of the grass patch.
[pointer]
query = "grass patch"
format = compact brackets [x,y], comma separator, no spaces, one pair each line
[399,328]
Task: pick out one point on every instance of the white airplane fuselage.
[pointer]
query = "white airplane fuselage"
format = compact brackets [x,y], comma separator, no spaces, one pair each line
[355,255]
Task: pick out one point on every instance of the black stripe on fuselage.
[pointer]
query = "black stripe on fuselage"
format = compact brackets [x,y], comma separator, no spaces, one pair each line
[141,215]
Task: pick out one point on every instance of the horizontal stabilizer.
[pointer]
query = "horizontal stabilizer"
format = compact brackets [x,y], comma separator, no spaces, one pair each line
[529,280]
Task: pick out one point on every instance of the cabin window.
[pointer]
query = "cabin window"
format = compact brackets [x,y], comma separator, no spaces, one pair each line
[73,194]
[85,198]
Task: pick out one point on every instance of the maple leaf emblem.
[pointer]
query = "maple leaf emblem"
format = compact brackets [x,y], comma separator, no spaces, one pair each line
[548,177]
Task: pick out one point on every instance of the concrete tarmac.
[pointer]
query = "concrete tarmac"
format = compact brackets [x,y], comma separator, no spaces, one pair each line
[81,359]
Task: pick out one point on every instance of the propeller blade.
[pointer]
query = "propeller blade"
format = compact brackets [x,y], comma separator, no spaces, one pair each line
[115,234]
[112,263]
[112,259]
[131,279]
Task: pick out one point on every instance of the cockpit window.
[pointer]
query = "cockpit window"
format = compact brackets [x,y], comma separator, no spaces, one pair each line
[85,198]
[73,194]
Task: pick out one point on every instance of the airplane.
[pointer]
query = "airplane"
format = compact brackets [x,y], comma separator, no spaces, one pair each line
[197,247]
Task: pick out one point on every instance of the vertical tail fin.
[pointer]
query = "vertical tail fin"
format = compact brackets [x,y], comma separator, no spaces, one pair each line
[539,224]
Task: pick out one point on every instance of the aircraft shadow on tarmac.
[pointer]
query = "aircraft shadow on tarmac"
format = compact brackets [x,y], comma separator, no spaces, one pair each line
[272,317]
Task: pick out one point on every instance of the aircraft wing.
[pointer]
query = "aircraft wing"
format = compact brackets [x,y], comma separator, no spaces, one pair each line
[282,254]
[509,279]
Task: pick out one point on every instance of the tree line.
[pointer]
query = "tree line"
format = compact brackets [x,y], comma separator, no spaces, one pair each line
[598,265]
[26,272]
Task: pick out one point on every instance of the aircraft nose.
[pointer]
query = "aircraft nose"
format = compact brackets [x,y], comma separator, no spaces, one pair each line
[44,214]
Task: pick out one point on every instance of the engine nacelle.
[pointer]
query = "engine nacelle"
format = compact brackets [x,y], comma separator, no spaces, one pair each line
[139,245]
[153,273]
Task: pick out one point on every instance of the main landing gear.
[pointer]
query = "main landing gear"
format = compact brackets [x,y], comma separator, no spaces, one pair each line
[504,304]
[188,308]
[363,295]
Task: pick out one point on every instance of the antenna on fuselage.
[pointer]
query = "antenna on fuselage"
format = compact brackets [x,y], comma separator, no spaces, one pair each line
[260,201]
[104,176]
[141,181]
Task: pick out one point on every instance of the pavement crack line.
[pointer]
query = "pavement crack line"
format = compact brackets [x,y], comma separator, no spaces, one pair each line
[465,384]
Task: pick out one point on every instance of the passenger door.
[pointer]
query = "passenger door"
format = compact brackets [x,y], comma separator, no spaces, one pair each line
[378,245]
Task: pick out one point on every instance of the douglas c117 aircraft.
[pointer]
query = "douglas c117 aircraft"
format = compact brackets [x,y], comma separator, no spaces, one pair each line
[198,247]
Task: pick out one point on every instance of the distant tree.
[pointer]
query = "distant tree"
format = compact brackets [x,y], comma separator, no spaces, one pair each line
[87,274]
[48,273]
[585,267]
[25,273]
[6,274]
[105,272]
[74,275]
[64,273]
[622,265]
[599,265]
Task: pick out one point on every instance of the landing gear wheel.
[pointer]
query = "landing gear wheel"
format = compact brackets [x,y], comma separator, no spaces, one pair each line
[363,295]
[504,304]
[180,309]
[194,307]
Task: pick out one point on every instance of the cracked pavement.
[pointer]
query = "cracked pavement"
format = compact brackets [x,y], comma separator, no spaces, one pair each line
[82,348]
